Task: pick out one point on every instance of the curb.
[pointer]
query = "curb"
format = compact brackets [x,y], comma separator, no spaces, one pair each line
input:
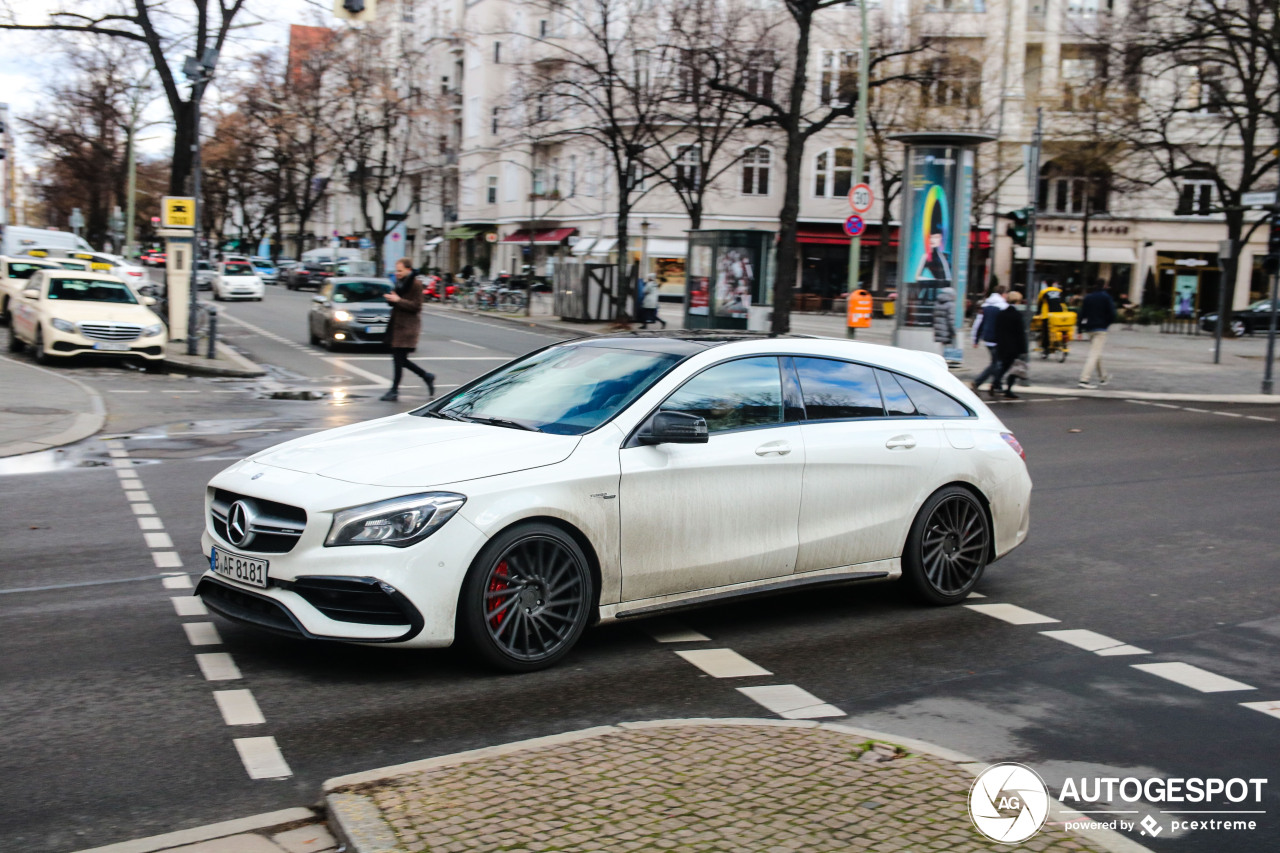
[521,320]
[85,424]
[190,366]
[169,840]
[358,824]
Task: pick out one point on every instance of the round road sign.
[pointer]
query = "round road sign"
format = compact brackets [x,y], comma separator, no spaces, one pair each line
[854,226]
[861,198]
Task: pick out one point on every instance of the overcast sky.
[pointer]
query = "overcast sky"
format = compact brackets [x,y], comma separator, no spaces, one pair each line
[30,61]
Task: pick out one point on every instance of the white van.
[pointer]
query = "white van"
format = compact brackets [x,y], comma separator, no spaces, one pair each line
[17,239]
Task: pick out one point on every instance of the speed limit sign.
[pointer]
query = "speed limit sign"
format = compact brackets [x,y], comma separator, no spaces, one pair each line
[861,198]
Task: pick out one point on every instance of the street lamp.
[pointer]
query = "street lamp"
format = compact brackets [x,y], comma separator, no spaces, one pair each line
[199,71]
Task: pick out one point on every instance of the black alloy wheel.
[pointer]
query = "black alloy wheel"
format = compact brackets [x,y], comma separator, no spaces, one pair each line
[948,547]
[527,599]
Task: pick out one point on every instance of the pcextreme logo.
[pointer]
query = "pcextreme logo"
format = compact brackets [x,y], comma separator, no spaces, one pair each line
[1008,803]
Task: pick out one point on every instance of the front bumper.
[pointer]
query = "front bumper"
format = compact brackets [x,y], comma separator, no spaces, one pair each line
[355,333]
[69,344]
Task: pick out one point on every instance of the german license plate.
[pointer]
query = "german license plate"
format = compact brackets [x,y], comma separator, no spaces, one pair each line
[373,330]
[112,346]
[239,568]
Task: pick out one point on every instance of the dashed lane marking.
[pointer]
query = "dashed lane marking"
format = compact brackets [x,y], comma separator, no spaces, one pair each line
[142,508]
[975,595]
[131,484]
[1092,641]
[150,522]
[465,344]
[790,702]
[1193,677]
[218,666]
[1121,650]
[1271,709]
[676,634]
[723,663]
[136,495]
[188,605]
[168,560]
[177,582]
[158,540]
[1012,614]
[262,758]
[238,708]
[202,633]
[1229,414]
[1202,411]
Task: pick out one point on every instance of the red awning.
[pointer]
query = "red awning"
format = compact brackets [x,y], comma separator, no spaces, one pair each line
[833,235]
[554,237]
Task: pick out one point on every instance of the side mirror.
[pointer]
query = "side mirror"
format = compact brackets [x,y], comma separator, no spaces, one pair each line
[674,428]
[318,299]
[31,293]
[148,301]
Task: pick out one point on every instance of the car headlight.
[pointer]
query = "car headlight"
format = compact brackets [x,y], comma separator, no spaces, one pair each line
[63,325]
[399,522]
[342,316]
[152,331]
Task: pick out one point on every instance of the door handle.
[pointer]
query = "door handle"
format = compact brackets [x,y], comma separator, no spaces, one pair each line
[905,442]
[773,448]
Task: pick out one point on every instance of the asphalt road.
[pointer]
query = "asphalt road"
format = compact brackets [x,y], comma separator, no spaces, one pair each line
[1153,526]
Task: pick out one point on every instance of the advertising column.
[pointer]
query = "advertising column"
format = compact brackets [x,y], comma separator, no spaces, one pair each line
[934,243]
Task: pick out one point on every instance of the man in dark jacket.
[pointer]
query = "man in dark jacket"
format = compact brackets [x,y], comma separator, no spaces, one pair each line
[1011,343]
[1097,313]
[404,328]
[984,333]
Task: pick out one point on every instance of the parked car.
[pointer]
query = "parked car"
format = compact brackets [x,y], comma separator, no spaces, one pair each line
[237,279]
[17,240]
[153,258]
[204,275]
[310,274]
[64,313]
[350,311]
[14,275]
[265,269]
[1255,318]
[613,477]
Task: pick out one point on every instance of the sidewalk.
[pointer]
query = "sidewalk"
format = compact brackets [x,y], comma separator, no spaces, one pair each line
[1144,363]
[227,363]
[41,409]
[685,785]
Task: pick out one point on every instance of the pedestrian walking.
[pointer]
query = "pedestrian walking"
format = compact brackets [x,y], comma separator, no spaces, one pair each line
[1011,344]
[404,328]
[984,332]
[1097,313]
[649,304]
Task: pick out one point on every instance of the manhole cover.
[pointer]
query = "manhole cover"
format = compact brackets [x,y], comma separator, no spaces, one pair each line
[33,410]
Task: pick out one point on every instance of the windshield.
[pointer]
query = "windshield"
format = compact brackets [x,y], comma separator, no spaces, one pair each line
[73,265]
[361,291]
[203,265]
[237,268]
[24,271]
[566,390]
[90,290]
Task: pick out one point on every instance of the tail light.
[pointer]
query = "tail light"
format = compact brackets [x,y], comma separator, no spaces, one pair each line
[1013,442]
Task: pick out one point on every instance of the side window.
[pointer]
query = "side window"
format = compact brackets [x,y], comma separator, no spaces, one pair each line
[931,402]
[838,389]
[896,402]
[746,392]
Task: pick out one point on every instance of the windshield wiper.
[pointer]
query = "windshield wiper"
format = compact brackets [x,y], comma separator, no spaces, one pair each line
[503,422]
[447,416]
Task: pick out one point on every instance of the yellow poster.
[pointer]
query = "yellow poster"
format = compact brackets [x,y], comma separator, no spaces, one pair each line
[177,212]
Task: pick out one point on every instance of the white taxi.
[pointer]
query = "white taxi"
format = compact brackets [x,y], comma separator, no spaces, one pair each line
[237,279]
[15,273]
[65,312]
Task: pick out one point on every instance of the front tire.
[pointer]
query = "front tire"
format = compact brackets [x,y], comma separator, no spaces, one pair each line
[527,599]
[42,357]
[948,547]
[15,343]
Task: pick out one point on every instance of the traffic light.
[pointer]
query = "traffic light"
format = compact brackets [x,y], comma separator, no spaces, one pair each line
[355,7]
[1019,228]
[356,10]
[1271,262]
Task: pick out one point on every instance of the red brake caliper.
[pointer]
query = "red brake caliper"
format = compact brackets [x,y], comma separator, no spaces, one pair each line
[497,583]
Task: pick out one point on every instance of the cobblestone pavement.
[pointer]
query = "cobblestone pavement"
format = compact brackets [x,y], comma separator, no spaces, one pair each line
[704,788]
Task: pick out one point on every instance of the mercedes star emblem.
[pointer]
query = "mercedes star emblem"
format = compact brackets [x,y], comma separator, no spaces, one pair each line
[240,524]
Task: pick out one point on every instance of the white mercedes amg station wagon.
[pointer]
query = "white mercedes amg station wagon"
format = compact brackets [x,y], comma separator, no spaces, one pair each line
[616,477]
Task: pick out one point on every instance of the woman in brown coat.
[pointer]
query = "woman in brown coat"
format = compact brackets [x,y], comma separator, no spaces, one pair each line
[404,328]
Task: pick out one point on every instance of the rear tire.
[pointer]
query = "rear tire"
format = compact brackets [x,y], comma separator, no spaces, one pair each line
[527,599]
[948,547]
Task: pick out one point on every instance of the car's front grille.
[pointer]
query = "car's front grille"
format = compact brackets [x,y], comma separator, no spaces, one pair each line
[371,318]
[111,331]
[362,600]
[274,527]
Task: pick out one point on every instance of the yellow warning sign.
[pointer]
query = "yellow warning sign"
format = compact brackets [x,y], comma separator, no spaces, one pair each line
[177,212]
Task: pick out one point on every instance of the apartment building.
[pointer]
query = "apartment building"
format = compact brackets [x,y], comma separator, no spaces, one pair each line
[508,199]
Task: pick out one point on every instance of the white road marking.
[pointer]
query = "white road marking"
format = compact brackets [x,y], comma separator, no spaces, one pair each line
[790,702]
[113,444]
[122,463]
[465,344]
[177,582]
[1012,614]
[1193,677]
[341,364]
[1271,709]
[166,559]
[124,391]
[150,522]
[675,634]
[125,471]
[202,633]
[136,495]
[1200,411]
[143,508]
[1090,641]
[118,454]
[131,484]
[174,391]
[238,708]
[723,663]
[1260,418]
[1229,414]
[218,666]
[1166,405]
[189,605]
[158,540]
[262,758]
[975,595]
[1122,650]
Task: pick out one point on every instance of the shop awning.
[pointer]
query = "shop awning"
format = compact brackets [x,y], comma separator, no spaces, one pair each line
[1097,254]
[553,237]
[830,234]
[462,232]
[595,246]
[664,247]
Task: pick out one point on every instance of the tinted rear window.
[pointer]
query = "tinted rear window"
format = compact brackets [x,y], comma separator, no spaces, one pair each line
[838,389]
[24,271]
[930,401]
[896,402]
